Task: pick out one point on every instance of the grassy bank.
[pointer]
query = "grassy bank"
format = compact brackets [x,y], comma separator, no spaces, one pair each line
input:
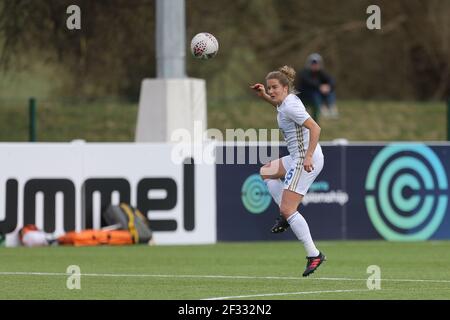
[114,120]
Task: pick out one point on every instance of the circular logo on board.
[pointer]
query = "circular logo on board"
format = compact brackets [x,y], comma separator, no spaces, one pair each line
[406,192]
[255,196]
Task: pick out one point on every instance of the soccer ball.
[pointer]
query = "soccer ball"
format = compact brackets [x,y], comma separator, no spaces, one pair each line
[204,46]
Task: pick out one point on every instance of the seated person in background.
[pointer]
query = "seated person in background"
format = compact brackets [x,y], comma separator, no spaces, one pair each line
[316,87]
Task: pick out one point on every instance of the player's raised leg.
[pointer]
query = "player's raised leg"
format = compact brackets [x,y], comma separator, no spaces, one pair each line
[271,174]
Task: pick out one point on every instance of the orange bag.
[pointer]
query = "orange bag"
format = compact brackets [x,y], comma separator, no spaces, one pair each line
[96,237]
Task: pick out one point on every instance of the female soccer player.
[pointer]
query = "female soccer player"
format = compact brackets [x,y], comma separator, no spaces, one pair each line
[300,167]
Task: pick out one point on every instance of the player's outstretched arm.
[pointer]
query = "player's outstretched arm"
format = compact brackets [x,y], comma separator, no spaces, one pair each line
[261,92]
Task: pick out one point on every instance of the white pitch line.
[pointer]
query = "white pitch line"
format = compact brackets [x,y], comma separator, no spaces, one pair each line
[283,294]
[210,277]
[382,279]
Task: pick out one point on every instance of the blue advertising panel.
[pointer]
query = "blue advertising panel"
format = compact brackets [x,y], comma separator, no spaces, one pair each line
[246,211]
[395,191]
[357,222]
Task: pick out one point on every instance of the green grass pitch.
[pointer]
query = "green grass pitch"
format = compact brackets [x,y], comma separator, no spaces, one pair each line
[250,271]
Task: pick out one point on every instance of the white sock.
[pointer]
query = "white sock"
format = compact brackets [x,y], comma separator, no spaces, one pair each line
[275,187]
[300,228]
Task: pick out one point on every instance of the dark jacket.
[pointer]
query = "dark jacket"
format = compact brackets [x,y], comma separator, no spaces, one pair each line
[308,82]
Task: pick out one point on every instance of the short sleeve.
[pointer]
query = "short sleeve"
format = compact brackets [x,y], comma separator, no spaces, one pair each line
[296,111]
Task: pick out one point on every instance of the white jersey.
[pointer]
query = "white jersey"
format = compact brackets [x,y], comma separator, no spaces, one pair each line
[291,116]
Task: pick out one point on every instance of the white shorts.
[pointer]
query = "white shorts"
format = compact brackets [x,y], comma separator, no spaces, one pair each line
[297,179]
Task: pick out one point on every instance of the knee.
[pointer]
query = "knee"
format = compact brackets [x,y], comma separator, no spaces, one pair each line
[263,172]
[286,210]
